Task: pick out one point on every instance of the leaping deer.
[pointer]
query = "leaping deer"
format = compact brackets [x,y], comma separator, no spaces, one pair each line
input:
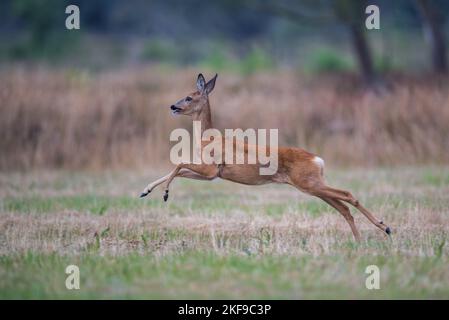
[296,167]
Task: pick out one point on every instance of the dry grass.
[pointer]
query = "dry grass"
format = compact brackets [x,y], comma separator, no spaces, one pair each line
[221,240]
[74,119]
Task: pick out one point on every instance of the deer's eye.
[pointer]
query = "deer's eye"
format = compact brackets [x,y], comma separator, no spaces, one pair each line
[188,99]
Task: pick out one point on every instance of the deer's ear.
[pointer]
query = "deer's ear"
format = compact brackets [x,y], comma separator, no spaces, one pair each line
[200,83]
[211,84]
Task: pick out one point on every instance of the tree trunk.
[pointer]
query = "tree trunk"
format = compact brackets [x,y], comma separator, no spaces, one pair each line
[433,28]
[350,14]
[363,54]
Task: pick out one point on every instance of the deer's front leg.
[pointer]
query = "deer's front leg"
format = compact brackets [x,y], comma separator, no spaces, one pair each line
[154,184]
[206,171]
[183,173]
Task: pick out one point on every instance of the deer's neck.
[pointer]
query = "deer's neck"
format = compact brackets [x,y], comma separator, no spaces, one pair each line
[204,117]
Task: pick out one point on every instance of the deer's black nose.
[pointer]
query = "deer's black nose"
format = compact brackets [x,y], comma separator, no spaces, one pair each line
[173,107]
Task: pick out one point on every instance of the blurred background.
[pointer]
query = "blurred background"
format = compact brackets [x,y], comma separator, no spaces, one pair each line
[98,97]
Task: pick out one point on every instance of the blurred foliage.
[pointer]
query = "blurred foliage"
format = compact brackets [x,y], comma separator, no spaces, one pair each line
[217,59]
[329,60]
[385,64]
[159,50]
[240,35]
[42,39]
[257,59]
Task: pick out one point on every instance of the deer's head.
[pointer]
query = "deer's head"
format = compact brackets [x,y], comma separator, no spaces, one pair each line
[195,102]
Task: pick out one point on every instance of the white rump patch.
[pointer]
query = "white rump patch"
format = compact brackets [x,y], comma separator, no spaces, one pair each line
[319,162]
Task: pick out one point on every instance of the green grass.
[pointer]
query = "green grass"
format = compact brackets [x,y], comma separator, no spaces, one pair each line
[95,204]
[437,179]
[221,240]
[196,275]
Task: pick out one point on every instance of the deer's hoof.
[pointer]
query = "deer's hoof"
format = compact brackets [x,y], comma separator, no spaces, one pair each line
[144,194]
[166,196]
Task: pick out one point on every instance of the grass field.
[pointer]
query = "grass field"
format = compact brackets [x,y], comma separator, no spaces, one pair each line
[221,240]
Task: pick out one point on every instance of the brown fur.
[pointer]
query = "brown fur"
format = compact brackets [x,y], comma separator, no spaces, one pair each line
[296,166]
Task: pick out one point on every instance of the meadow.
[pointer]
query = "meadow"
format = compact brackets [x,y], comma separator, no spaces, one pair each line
[78,147]
[85,122]
[221,240]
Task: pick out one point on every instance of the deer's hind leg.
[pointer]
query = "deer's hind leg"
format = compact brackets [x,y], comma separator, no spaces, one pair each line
[312,182]
[323,190]
[345,212]
[309,179]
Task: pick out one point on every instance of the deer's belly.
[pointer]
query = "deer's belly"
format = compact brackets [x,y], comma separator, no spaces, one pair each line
[245,174]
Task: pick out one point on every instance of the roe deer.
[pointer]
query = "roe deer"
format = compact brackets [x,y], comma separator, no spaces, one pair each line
[296,167]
